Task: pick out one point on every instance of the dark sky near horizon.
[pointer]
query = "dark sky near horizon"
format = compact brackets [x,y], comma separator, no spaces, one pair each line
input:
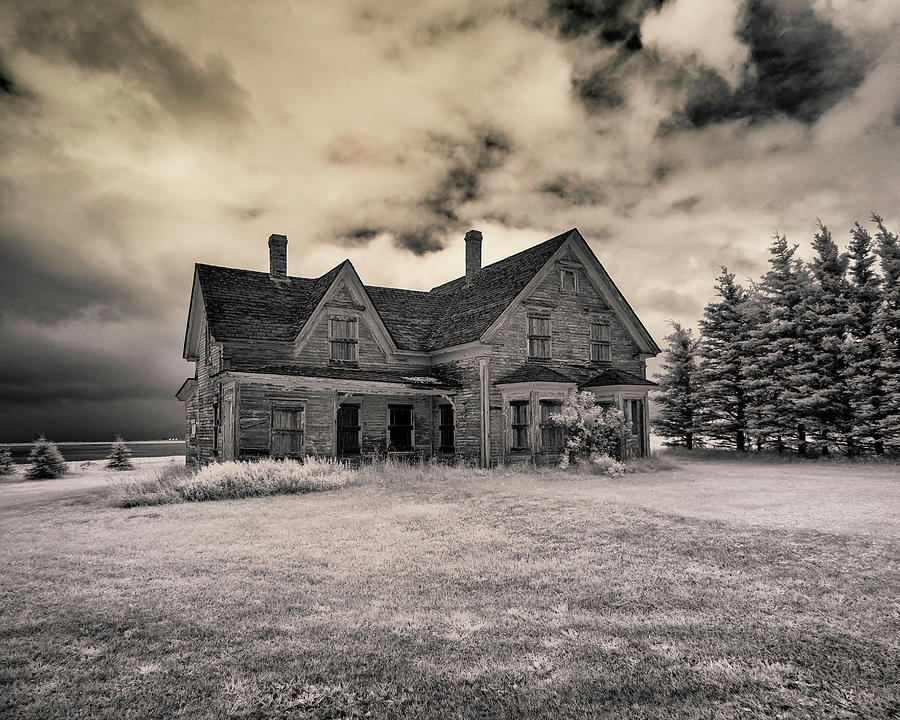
[137,138]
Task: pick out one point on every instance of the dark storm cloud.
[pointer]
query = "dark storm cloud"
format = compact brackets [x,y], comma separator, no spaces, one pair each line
[245,213]
[111,36]
[48,284]
[8,86]
[800,65]
[607,21]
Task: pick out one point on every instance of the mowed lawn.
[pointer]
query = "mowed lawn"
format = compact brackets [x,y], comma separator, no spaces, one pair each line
[725,590]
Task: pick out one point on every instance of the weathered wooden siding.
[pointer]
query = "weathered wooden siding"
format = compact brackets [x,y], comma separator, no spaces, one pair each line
[466,372]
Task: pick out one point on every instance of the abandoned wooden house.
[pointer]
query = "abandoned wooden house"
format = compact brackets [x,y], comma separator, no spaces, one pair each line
[291,366]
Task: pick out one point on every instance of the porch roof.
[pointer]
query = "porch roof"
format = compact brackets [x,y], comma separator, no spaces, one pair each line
[616,376]
[405,378]
[584,376]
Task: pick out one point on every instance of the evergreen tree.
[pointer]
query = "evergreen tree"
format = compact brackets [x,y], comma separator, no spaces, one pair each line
[776,348]
[120,456]
[862,349]
[676,394]
[6,463]
[46,460]
[887,329]
[822,397]
[722,387]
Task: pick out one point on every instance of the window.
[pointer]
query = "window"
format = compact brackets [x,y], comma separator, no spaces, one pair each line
[348,430]
[287,432]
[600,345]
[400,427]
[539,336]
[637,415]
[567,281]
[343,334]
[519,424]
[551,435]
[447,428]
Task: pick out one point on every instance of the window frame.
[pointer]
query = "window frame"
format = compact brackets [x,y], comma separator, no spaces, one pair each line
[393,426]
[562,281]
[538,338]
[301,430]
[351,342]
[548,427]
[603,342]
[444,428]
[518,427]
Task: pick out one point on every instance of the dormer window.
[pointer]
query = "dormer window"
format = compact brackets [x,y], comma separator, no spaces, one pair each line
[568,282]
[539,336]
[343,334]
[601,348]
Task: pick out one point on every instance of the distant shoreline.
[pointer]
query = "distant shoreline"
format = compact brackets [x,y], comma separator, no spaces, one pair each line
[78,451]
[91,442]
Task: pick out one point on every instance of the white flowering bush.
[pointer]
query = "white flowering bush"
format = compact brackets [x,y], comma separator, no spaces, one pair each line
[231,480]
[590,429]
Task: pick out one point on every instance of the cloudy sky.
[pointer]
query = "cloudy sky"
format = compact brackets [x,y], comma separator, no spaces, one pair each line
[139,137]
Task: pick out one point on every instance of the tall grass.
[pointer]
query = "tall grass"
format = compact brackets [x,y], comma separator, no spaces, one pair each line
[232,480]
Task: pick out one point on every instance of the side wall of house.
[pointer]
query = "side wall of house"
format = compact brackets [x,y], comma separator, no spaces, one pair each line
[467,401]
[570,329]
[208,364]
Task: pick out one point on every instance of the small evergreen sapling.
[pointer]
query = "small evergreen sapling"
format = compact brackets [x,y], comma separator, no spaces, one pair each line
[120,456]
[6,463]
[46,460]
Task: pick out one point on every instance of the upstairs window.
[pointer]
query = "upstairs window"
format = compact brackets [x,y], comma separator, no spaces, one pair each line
[539,336]
[601,350]
[519,424]
[400,427]
[551,434]
[567,281]
[344,337]
[447,429]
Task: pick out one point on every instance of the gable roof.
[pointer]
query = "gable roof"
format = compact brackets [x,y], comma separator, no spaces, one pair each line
[251,305]
[471,308]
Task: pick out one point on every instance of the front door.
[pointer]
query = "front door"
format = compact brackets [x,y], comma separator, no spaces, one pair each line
[348,430]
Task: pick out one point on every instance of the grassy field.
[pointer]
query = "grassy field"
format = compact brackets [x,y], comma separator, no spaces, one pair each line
[712,590]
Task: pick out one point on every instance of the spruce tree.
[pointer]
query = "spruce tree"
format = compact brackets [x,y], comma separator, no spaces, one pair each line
[46,460]
[722,385]
[862,349]
[887,329]
[822,397]
[676,393]
[776,348]
[120,456]
[6,463]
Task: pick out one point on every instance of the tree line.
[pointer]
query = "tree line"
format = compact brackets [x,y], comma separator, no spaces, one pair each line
[807,358]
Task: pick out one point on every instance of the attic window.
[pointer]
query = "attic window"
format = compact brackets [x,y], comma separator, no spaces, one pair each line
[568,281]
[601,348]
[343,335]
[538,336]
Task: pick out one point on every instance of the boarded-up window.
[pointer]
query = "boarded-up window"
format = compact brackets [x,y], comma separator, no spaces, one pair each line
[538,336]
[447,428]
[287,432]
[567,281]
[601,350]
[519,424]
[348,430]
[400,427]
[344,335]
[551,434]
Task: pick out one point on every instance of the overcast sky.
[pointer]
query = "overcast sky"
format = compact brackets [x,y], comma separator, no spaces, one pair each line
[137,138]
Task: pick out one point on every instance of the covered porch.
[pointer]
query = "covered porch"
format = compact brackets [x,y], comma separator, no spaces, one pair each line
[263,414]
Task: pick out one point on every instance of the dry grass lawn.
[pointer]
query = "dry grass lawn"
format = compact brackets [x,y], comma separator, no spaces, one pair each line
[712,590]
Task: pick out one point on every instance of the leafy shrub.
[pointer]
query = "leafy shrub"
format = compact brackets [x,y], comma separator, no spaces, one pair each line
[230,480]
[589,428]
[120,456]
[46,460]
[6,463]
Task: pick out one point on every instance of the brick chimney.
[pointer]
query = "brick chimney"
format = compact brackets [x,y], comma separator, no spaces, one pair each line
[473,254]
[278,255]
